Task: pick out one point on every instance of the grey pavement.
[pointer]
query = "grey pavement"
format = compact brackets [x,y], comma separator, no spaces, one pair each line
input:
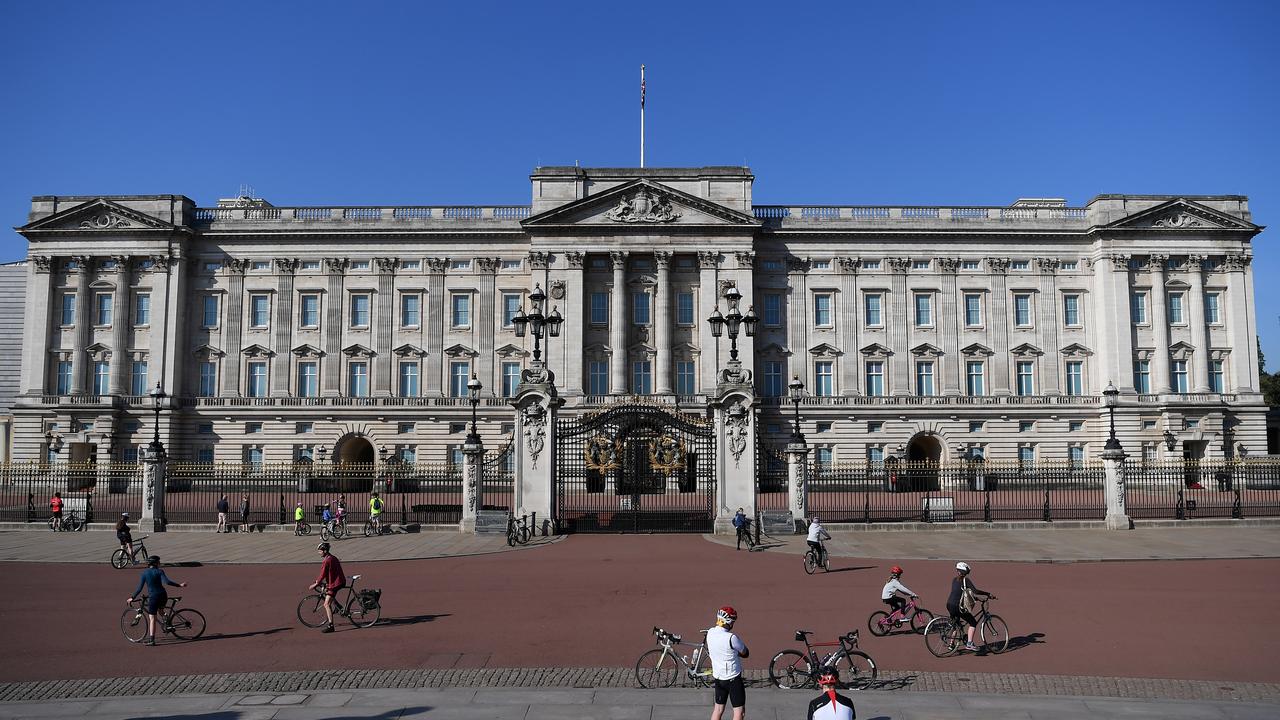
[613,704]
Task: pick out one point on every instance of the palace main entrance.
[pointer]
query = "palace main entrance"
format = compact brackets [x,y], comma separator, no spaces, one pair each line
[635,468]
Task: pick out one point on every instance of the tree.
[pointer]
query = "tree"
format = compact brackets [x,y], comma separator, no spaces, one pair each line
[1269,384]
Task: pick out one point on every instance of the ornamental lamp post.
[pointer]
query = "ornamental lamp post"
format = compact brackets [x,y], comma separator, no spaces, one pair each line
[473,394]
[1170,440]
[537,321]
[796,392]
[156,449]
[1112,397]
[735,322]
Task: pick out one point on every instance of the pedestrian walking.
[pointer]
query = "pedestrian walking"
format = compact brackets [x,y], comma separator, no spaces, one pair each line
[244,515]
[223,509]
[726,650]
[55,507]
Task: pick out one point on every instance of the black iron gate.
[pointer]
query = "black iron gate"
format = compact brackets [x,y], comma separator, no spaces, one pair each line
[635,468]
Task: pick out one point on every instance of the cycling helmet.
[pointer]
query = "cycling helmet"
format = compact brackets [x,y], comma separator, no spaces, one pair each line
[124,514]
[962,567]
[323,546]
[815,518]
[895,570]
[829,675]
[154,561]
[726,615]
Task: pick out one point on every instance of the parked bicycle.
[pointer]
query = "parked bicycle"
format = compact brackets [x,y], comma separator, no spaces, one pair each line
[184,624]
[71,522]
[944,637]
[882,623]
[745,534]
[811,562]
[518,532]
[361,607]
[121,558]
[379,528]
[659,668]
[791,669]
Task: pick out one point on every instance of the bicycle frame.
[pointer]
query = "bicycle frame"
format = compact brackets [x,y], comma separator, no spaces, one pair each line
[846,643]
[669,643]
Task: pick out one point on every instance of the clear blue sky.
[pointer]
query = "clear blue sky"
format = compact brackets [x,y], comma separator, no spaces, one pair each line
[854,103]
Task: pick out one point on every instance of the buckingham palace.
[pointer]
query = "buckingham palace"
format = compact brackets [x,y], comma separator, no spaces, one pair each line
[916,333]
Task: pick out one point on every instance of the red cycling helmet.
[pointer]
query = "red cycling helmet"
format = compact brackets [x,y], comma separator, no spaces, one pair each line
[727,615]
[829,676]
[895,570]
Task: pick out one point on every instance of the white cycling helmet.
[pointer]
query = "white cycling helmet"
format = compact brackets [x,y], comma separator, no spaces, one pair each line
[962,567]
[815,518]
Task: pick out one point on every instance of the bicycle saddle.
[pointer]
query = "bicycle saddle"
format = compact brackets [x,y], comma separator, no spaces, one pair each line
[354,578]
[801,634]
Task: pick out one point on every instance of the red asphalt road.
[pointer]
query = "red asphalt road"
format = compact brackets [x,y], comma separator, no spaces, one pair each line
[591,601]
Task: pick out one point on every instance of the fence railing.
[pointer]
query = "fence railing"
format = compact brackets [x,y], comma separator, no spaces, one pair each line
[1200,489]
[99,491]
[498,479]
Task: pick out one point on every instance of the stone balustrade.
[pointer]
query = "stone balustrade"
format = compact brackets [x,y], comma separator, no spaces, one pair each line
[791,213]
[218,215]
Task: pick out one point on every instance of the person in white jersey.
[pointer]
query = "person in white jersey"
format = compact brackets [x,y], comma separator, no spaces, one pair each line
[817,534]
[725,650]
[830,705]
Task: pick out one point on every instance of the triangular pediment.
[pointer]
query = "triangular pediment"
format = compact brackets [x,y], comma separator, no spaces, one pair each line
[1026,349]
[460,350]
[207,352]
[409,350]
[358,350]
[1181,214]
[641,203]
[509,351]
[256,350]
[307,350]
[976,349]
[773,349]
[825,350]
[97,216]
[926,350]
[98,351]
[876,350]
[1076,350]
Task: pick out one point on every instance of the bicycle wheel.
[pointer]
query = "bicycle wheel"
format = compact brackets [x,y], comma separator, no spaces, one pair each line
[305,529]
[133,623]
[357,613]
[186,624]
[657,668]
[368,529]
[919,620]
[878,623]
[51,522]
[701,670]
[995,634]
[942,637]
[826,562]
[810,562]
[75,524]
[324,533]
[790,670]
[862,669]
[311,611]
[524,536]
[120,559]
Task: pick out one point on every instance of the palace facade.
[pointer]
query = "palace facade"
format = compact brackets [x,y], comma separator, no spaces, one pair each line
[924,333]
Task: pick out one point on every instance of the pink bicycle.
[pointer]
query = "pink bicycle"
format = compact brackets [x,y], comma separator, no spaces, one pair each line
[882,623]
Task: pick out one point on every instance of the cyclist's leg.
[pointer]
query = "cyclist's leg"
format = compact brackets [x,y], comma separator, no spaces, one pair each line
[329,600]
[896,604]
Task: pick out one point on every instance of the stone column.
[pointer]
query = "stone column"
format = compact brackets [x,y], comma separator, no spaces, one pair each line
[1241,323]
[735,428]
[170,324]
[41,303]
[798,321]
[153,474]
[1113,467]
[282,328]
[434,322]
[575,323]
[708,348]
[1161,380]
[121,319]
[233,317]
[998,324]
[1048,327]
[617,326]
[947,370]
[472,480]
[84,326]
[798,483]
[662,324]
[1112,322]
[333,326]
[1199,332]
[850,321]
[534,445]
[383,327]
[485,327]
[898,306]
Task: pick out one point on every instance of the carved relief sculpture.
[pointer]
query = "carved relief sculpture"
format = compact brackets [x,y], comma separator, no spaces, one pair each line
[899,264]
[575,259]
[849,264]
[487,264]
[643,206]
[602,454]
[336,265]
[667,454]
[473,489]
[535,431]
[435,265]
[287,266]
[1179,220]
[708,259]
[43,263]
[387,264]
[1048,265]
[998,265]
[736,431]
[105,221]
[948,265]
[539,260]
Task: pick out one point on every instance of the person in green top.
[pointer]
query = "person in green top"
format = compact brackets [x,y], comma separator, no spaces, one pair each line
[375,512]
[297,519]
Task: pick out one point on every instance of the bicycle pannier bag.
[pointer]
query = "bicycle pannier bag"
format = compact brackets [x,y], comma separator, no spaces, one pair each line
[369,599]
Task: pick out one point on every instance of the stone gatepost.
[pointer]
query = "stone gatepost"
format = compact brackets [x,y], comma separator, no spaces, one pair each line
[1113,466]
[537,406]
[798,483]
[153,474]
[472,481]
[735,428]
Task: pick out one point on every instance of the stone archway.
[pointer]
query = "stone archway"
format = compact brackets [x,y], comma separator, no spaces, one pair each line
[924,454]
[353,464]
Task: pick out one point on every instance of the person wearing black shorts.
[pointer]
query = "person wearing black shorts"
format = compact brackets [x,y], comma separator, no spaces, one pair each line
[959,584]
[725,650]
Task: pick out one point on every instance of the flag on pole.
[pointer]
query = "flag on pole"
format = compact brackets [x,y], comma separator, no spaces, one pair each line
[641,87]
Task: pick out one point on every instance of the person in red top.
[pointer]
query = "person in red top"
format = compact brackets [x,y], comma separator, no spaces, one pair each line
[333,580]
[55,506]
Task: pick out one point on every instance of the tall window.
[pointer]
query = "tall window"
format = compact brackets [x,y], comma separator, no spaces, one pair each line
[459,375]
[1216,376]
[359,311]
[358,379]
[824,378]
[599,308]
[772,309]
[875,378]
[1027,455]
[924,377]
[259,307]
[204,454]
[409,378]
[253,456]
[104,301]
[974,384]
[308,379]
[1142,376]
[63,383]
[684,377]
[208,379]
[875,455]
[1025,371]
[642,377]
[1075,377]
[410,310]
[924,310]
[142,309]
[510,378]
[1175,308]
[101,377]
[972,310]
[873,303]
[825,456]
[772,378]
[1022,310]
[1071,310]
[1075,455]
[309,311]
[1138,308]
[460,306]
[138,378]
[684,308]
[822,310]
[640,308]
[209,313]
[1212,314]
[69,309]
[256,383]
[510,306]
[1179,376]
[598,378]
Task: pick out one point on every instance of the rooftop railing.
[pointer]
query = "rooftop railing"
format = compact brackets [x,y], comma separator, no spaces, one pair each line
[887,213]
[362,213]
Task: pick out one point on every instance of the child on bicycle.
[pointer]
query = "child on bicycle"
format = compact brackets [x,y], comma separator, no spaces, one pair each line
[298,516]
[340,511]
[890,594]
[327,517]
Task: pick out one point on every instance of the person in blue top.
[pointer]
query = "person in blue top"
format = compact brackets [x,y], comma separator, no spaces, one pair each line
[743,527]
[327,517]
[154,580]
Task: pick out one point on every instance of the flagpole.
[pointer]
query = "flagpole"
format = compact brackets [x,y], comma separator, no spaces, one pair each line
[641,116]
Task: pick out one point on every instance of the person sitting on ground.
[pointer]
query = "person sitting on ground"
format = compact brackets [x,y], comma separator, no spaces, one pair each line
[889,595]
[830,705]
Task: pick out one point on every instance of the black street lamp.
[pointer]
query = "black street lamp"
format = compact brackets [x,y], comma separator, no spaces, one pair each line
[734,321]
[1112,396]
[1170,440]
[473,394]
[537,321]
[156,448]
[796,392]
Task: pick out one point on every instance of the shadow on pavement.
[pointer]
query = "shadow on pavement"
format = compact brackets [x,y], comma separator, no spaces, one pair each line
[408,712]
[410,620]
[1021,641]
[233,636]
[901,683]
[186,564]
[855,567]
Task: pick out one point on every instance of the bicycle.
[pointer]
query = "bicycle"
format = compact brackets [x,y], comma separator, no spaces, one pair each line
[811,560]
[71,522]
[362,608]
[744,533]
[301,527]
[945,637]
[659,668]
[121,559]
[379,528]
[335,529]
[518,532]
[882,623]
[184,624]
[792,669]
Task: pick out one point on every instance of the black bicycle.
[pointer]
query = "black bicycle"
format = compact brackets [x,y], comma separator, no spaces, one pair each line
[792,669]
[518,532]
[184,624]
[361,607]
[71,522]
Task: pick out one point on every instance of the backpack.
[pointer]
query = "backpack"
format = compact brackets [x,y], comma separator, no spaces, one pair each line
[967,600]
[377,503]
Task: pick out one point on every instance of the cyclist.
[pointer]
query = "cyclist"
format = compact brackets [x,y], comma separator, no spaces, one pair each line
[830,705]
[154,580]
[889,595]
[327,517]
[375,513]
[298,515]
[125,536]
[817,534]
[725,650]
[959,584]
[743,526]
[55,507]
[333,580]
[340,511]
